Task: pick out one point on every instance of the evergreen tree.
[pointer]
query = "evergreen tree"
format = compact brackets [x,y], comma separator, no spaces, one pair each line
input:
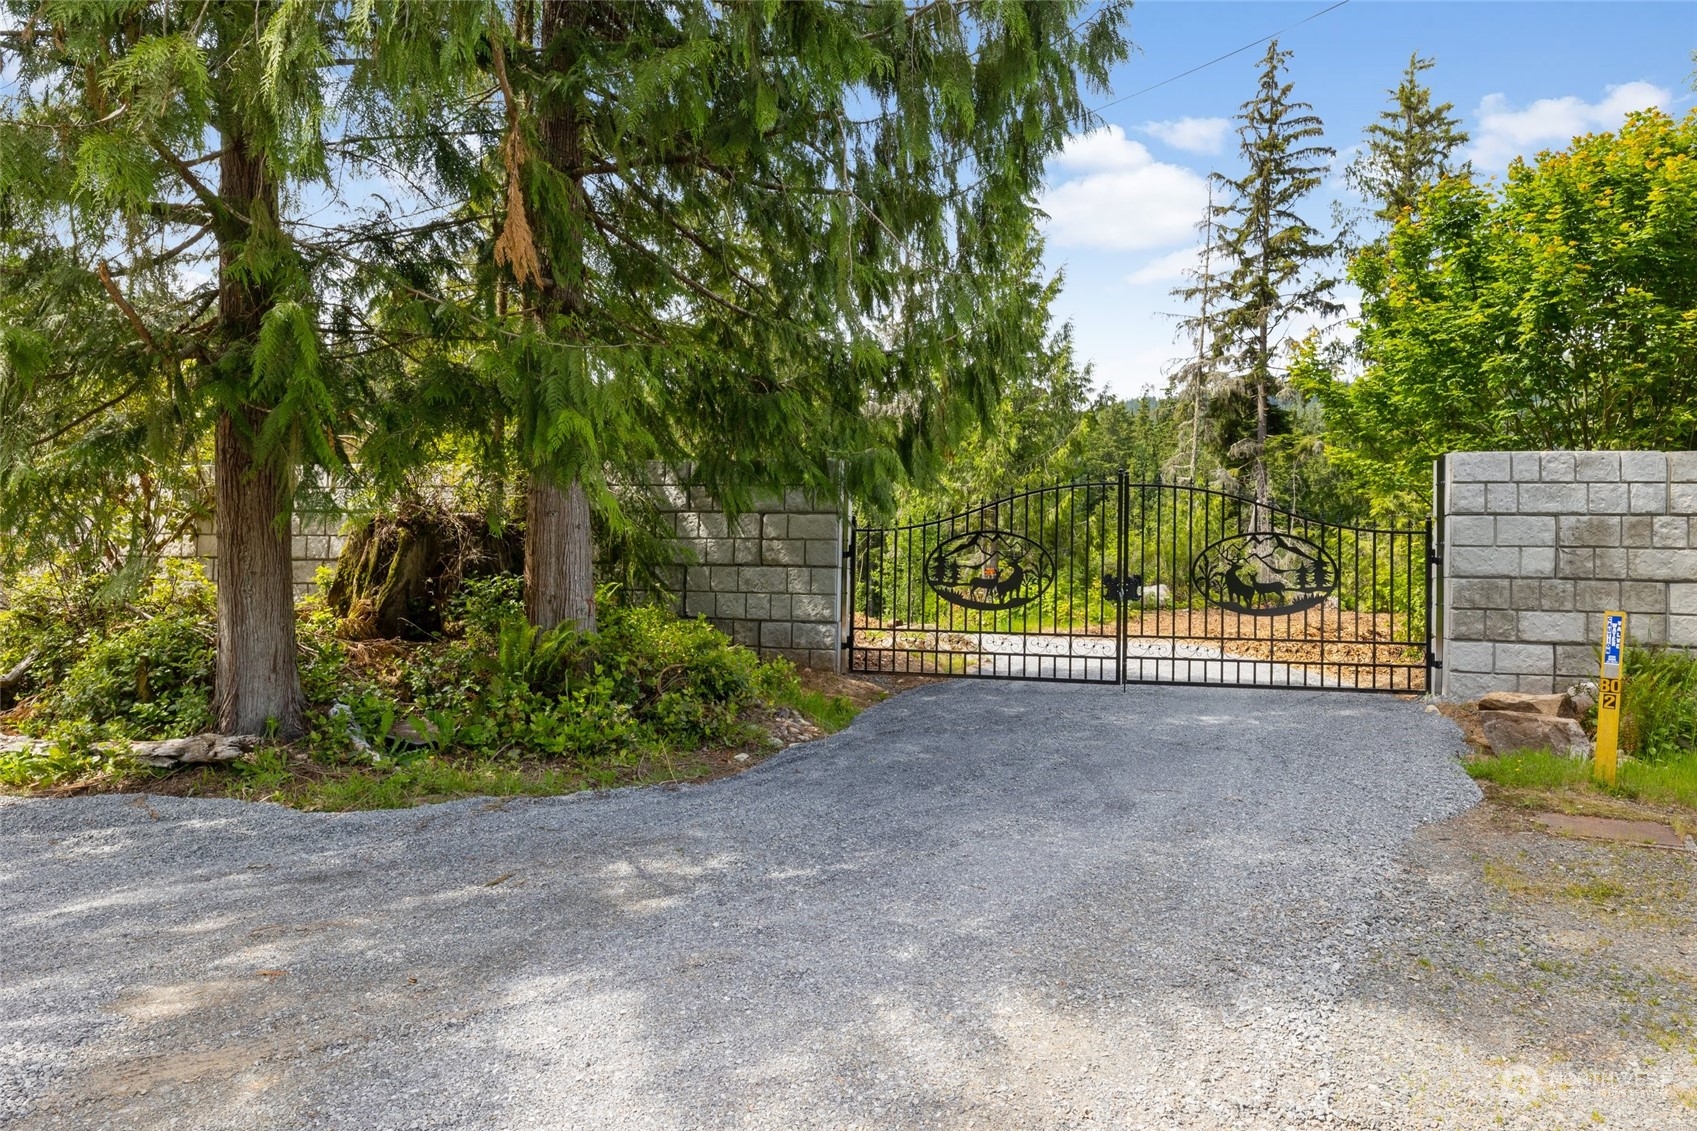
[1271,260]
[1412,145]
[757,238]
[160,298]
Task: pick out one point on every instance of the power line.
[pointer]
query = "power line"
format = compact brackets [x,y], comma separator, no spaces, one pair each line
[1219,59]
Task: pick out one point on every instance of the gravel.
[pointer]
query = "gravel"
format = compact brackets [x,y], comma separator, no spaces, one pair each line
[984,904]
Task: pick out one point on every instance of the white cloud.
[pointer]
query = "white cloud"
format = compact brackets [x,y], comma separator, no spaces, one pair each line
[1193,135]
[1123,199]
[1504,133]
[1169,268]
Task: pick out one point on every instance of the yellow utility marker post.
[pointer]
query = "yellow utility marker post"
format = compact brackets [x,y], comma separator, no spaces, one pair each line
[1608,697]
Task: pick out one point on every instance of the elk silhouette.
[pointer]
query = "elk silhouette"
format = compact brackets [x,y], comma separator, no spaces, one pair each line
[1249,592]
[999,586]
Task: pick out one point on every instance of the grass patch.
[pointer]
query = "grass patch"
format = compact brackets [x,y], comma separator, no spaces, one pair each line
[830,713]
[1669,782]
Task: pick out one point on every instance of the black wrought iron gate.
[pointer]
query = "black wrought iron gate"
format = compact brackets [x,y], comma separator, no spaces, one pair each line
[1122,582]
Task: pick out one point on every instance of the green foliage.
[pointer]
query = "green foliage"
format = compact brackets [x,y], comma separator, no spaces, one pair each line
[1658,712]
[1667,781]
[1558,311]
[1411,146]
[112,664]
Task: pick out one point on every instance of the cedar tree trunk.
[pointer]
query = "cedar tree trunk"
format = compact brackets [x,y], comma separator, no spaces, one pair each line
[258,681]
[559,551]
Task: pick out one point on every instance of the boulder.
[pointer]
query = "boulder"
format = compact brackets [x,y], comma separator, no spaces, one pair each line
[1512,731]
[1523,702]
[1584,697]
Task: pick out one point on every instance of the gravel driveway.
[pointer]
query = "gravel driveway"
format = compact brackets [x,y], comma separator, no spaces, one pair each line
[984,904]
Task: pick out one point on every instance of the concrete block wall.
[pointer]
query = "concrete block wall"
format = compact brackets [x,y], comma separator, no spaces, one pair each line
[770,579]
[1536,545]
[315,540]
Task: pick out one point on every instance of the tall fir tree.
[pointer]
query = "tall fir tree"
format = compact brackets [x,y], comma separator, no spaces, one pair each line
[765,240]
[161,294]
[1413,144]
[1272,260]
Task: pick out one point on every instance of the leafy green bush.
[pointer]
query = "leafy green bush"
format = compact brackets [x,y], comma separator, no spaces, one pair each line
[117,669]
[1658,703]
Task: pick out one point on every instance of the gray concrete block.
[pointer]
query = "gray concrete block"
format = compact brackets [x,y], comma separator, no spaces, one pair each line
[1555,596]
[747,551]
[1526,530]
[724,579]
[814,635]
[1557,467]
[1682,600]
[1644,467]
[297,546]
[1537,561]
[1473,530]
[763,579]
[1469,655]
[715,525]
[1682,467]
[1669,532]
[1525,592]
[1596,596]
[1525,659]
[1575,662]
[1479,467]
[698,602]
[746,526]
[1502,498]
[813,607]
[757,606]
[1649,630]
[1596,467]
[822,580]
[1527,466]
[1467,498]
[775,634]
[1682,498]
[1535,684]
[1636,532]
[1682,631]
[1552,628]
[1574,563]
[797,499]
[797,580]
[1649,498]
[814,526]
[1466,624]
[824,659]
[746,633]
[687,524]
[303,572]
[1661,565]
[1643,597]
[822,553]
[696,578]
[775,526]
[1464,685]
[1608,498]
[730,606]
[718,551]
[1553,498]
[1482,561]
[783,552]
[1479,593]
[1588,530]
[1501,624]
[778,606]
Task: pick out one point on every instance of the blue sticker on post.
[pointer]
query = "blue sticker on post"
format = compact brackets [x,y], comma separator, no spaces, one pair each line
[1614,630]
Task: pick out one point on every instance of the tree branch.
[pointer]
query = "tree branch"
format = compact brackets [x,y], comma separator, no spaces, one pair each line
[123,304]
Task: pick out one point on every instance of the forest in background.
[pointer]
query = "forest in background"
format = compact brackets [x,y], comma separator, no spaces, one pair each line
[1555,309]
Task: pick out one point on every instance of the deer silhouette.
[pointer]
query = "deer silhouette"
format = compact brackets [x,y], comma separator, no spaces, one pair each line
[1251,592]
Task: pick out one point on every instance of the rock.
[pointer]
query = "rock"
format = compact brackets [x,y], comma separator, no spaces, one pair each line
[17,744]
[344,714]
[1554,706]
[1583,696]
[415,731]
[199,750]
[1511,731]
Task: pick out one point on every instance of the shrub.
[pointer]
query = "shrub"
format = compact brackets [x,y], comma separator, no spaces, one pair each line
[1658,703]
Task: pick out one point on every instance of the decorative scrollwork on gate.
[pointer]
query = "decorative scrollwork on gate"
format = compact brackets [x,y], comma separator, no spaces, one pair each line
[989,570]
[1264,574]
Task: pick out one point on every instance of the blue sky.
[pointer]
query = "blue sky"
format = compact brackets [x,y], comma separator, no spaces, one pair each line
[1124,201]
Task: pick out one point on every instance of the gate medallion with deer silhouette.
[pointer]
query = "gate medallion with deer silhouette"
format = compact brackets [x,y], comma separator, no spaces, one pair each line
[1121,582]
